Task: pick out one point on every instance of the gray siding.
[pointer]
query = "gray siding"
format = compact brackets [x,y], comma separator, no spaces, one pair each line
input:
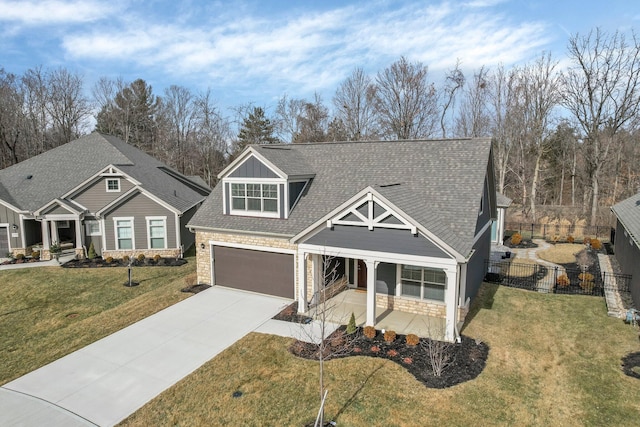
[95,196]
[139,207]
[476,265]
[253,168]
[187,237]
[627,254]
[386,279]
[8,216]
[56,210]
[485,217]
[380,240]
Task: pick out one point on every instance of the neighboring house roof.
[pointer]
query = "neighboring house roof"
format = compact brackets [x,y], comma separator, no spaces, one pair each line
[33,183]
[628,213]
[438,183]
[502,201]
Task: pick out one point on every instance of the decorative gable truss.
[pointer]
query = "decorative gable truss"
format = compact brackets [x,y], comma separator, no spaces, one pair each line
[371,212]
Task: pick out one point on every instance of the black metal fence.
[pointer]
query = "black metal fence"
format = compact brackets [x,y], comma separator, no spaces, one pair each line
[558,231]
[540,278]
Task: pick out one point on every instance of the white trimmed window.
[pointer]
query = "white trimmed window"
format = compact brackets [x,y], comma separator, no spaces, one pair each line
[157,232]
[92,227]
[423,283]
[113,185]
[254,197]
[124,233]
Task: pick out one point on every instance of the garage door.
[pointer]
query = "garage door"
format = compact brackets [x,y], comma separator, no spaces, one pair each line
[264,272]
[4,241]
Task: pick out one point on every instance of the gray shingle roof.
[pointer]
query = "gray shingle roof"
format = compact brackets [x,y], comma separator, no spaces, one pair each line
[502,201]
[628,213]
[440,185]
[31,184]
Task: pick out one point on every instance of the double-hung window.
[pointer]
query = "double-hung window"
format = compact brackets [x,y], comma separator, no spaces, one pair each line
[254,197]
[124,233]
[113,185]
[423,283]
[157,232]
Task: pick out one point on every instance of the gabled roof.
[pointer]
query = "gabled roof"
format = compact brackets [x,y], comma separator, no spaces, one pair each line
[437,183]
[628,213]
[31,184]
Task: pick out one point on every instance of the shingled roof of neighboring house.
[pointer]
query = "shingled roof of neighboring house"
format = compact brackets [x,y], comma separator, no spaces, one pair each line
[628,213]
[502,201]
[31,184]
[438,183]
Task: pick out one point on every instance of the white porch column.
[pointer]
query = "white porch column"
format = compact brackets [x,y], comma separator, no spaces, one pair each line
[302,282]
[79,233]
[54,233]
[451,304]
[316,273]
[45,234]
[371,292]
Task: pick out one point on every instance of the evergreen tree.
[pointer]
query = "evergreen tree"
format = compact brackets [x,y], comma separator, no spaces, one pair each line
[256,128]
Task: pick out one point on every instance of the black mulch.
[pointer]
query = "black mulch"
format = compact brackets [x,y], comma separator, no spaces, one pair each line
[468,358]
[630,361]
[101,263]
[524,244]
[194,289]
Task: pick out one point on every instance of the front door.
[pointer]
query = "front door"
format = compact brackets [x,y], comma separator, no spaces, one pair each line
[362,274]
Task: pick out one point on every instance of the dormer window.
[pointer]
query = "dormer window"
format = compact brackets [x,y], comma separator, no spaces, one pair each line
[254,198]
[113,185]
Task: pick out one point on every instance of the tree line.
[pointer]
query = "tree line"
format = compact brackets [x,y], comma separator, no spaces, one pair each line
[564,137]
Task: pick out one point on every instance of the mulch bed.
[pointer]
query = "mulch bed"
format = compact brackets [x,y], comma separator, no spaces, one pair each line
[630,361]
[194,289]
[20,261]
[101,263]
[524,244]
[467,359]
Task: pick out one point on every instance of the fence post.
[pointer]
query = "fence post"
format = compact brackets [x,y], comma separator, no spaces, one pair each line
[555,278]
[532,228]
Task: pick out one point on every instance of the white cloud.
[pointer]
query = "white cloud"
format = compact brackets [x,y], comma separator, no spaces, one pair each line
[54,11]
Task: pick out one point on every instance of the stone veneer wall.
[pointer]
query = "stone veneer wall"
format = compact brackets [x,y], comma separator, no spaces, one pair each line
[148,253]
[410,305]
[203,257]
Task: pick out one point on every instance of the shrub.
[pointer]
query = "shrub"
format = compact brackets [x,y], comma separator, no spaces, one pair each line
[412,339]
[375,349]
[389,336]
[392,353]
[586,240]
[140,257]
[408,360]
[91,254]
[596,244]
[570,238]
[20,256]
[563,281]
[369,332]
[126,259]
[351,326]
[585,277]
[157,258]
[586,281]
[109,259]
[35,255]
[516,239]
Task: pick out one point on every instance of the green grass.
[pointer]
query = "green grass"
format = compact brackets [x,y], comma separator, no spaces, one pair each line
[553,360]
[48,312]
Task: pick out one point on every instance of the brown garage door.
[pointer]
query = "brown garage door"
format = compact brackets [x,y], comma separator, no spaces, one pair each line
[256,271]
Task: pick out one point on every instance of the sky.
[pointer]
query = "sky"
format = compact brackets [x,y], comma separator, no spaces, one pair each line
[256,51]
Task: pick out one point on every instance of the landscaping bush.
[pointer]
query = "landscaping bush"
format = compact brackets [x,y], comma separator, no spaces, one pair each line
[35,255]
[586,240]
[412,339]
[570,238]
[389,336]
[596,244]
[586,281]
[563,281]
[369,331]
[351,326]
[157,258]
[109,260]
[20,257]
[141,258]
[91,254]
[126,259]
[516,239]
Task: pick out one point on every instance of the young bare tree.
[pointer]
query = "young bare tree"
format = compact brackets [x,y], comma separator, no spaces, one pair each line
[353,102]
[454,81]
[474,119]
[601,90]
[406,103]
[11,118]
[67,105]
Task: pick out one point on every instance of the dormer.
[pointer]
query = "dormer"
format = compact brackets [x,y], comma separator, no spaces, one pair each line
[255,185]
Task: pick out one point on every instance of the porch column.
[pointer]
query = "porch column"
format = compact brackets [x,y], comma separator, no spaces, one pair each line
[451,304]
[302,282]
[55,238]
[79,234]
[371,292]
[317,273]
[45,234]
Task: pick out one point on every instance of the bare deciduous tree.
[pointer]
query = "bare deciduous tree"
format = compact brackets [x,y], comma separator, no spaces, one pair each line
[353,102]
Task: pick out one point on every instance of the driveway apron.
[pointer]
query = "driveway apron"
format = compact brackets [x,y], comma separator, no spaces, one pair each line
[110,379]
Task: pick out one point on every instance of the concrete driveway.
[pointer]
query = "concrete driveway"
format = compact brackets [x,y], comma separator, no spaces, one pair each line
[110,379]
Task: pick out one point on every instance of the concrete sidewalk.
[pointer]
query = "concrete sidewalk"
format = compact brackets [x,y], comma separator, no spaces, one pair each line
[110,379]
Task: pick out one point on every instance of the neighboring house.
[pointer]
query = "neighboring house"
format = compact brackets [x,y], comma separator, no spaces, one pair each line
[627,242]
[96,189]
[497,228]
[409,222]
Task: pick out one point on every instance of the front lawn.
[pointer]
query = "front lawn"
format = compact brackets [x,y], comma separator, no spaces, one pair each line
[48,312]
[553,360]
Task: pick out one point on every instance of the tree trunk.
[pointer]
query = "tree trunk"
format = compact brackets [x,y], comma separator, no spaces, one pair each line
[534,185]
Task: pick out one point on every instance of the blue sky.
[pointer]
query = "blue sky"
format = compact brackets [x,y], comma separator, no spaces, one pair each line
[256,51]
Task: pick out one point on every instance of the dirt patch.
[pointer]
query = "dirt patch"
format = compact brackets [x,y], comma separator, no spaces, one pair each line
[194,289]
